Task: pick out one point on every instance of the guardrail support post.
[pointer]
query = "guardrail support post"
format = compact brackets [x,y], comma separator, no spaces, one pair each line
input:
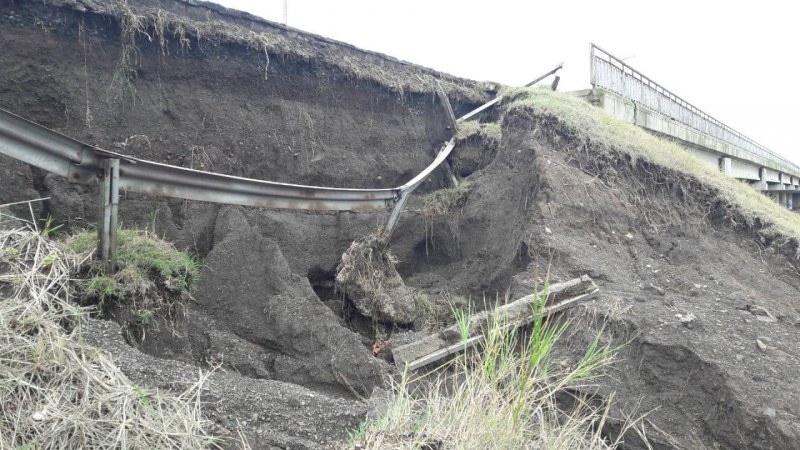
[109,205]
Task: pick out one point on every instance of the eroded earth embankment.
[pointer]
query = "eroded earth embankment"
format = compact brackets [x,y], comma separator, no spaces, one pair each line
[295,358]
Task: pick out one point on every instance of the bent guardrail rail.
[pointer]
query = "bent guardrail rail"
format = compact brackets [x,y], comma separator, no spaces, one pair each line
[83,163]
[79,162]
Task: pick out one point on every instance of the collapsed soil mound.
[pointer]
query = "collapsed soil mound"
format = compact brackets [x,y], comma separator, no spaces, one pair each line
[367,277]
[680,272]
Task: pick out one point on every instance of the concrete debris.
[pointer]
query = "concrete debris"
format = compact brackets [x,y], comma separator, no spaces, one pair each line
[761,345]
[548,230]
[769,412]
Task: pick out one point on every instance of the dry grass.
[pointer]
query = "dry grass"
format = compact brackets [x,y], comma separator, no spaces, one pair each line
[502,395]
[56,392]
[437,312]
[366,265]
[149,24]
[489,130]
[592,125]
[444,205]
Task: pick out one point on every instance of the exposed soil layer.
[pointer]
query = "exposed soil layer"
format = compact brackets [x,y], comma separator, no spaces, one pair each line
[292,372]
[688,287]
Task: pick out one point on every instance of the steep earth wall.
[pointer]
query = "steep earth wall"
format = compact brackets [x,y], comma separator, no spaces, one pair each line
[197,85]
[540,200]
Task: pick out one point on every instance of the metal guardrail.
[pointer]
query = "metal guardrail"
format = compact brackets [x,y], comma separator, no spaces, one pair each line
[80,162]
[610,72]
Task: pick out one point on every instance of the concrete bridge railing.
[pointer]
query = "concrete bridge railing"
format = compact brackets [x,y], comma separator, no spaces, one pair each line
[631,96]
[611,73]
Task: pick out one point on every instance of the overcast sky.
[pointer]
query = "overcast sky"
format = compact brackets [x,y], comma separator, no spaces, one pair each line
[737,61]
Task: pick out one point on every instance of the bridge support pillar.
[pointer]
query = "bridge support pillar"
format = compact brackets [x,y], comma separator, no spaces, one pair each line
[782,199]
[726,166]
[107,223]
[761,184]
[776,187]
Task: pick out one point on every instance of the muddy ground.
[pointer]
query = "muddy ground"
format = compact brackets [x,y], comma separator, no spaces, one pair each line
[294,363]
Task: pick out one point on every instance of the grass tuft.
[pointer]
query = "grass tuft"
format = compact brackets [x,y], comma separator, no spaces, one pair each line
[142,257]
[489,130]
[438,311]
[501,394]
[444,205]
[445,202]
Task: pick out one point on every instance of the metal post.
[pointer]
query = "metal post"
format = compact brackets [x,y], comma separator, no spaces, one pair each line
[554,85]
[109,205]
[394,217]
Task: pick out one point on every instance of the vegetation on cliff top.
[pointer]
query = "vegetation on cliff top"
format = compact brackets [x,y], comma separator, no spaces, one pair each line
[593,127]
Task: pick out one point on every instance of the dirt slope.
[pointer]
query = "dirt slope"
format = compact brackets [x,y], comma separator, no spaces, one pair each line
[659,244]
[663,248]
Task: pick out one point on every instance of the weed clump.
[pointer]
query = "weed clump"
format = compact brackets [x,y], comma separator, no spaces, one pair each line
[445,202]
[152,275]
[489,131]
[437,312]
[55,391]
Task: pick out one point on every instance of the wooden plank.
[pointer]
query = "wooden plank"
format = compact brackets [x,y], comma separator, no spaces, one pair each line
[474,340]
[431,348]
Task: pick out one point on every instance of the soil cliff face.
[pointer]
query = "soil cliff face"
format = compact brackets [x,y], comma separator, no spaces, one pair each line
[704,305]
[303,109]
[101,73]
[199,86]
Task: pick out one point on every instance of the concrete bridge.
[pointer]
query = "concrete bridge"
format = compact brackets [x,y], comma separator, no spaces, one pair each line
[630,96]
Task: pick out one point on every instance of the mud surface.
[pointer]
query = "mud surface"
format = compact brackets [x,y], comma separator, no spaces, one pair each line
[707,306]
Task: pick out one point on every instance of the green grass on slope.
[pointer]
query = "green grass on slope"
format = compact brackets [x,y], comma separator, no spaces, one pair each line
[589,122]
[142,258]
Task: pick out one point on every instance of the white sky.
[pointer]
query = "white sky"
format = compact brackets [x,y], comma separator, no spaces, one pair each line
[736,60]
